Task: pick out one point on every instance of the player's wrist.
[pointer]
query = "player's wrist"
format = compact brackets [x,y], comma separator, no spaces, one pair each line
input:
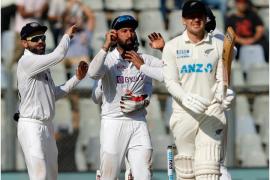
[106,47]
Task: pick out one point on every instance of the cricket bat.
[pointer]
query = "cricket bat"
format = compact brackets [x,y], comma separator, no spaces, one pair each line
[227,56]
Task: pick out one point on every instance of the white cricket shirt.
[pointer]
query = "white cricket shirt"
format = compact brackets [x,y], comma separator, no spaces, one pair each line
[36,87]
[193,67]
[118,76]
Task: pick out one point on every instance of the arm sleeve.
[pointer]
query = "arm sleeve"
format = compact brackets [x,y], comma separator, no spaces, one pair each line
[97,92]
[35,64]
[97,67]
[153,72]
[257,20]
[220,76]
[64,89]
[171,76]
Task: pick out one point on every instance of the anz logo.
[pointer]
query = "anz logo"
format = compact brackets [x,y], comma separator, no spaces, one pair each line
[196,68]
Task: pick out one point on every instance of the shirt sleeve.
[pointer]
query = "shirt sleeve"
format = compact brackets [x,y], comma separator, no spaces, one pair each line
[153,72]
[35,64]
[257,20]
[171,75]
[97,67]
[220,75]
[97,92]
[64,89]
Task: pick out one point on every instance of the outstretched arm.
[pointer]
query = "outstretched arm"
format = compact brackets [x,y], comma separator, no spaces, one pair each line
[62,90]
[35,63]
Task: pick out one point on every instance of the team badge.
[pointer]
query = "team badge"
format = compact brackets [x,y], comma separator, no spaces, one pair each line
[208,51]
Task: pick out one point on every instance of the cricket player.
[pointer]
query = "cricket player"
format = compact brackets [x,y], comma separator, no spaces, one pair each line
[38,93]
[155,72]
[126,93]
[193,75]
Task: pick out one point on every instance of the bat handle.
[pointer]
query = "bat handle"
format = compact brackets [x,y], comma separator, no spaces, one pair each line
[170,162]
[225,90]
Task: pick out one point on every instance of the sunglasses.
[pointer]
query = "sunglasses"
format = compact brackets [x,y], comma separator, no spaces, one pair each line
[36,38]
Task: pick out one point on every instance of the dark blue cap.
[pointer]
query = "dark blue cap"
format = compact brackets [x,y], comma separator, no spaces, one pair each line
[124,21]
[30,28]
[192,7]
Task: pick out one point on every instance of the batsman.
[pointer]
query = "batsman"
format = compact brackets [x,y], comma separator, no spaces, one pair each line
[194,76]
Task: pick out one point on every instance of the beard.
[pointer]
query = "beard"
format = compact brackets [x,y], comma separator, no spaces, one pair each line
[37,50]
[127,46]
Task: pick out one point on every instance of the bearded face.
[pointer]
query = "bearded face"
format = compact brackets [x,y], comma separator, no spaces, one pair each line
[37,49]
[36,43]
[126,39]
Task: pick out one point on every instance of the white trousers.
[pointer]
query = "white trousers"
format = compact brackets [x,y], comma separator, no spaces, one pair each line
[125,138]
[39,148]
[199,139]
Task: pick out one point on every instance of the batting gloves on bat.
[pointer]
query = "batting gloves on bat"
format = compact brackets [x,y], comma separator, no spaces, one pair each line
[195,103]
[228,99]
[131,103]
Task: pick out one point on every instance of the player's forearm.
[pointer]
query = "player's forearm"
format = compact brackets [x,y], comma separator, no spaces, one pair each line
[174,88]
[39,63]
[97,68]
[97,92]
[153,72]
[62,90]
[171,80]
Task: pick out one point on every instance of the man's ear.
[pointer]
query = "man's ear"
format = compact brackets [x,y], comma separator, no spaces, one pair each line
[24,43]
[184,21]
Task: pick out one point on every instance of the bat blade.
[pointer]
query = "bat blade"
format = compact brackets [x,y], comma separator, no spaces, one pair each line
[227,56]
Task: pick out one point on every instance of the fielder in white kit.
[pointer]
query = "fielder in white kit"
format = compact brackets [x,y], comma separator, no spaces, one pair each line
[155,72]
[193,74]
[38,93]
[126,93]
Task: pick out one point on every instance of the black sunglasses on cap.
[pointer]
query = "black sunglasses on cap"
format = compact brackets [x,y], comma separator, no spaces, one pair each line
[36,38]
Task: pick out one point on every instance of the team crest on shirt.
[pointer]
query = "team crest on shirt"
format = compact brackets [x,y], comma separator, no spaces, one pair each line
[183,53]
[208,51]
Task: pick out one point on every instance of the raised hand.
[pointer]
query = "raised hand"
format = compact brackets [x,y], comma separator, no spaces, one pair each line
[72,30]
[111,37]
[81,70]
[156,41]
[134,57]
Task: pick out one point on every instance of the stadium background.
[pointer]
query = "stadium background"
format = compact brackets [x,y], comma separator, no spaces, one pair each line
[248,140]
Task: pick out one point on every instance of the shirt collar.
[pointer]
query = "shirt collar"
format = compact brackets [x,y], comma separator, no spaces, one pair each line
[205,39]
[27,52]
[116,53]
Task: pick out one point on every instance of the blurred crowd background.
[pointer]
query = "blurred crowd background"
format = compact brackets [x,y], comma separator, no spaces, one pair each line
[77,120]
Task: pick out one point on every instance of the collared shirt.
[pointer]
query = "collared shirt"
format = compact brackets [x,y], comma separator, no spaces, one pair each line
[118,76]
[36,87]
[194,67]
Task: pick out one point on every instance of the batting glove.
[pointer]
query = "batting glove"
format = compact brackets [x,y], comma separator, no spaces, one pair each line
[131,103]
[228,99]
[195,103]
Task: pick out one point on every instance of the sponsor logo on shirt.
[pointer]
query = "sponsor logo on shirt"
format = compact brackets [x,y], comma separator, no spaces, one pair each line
[196,68]
[183,53]
[123,79]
